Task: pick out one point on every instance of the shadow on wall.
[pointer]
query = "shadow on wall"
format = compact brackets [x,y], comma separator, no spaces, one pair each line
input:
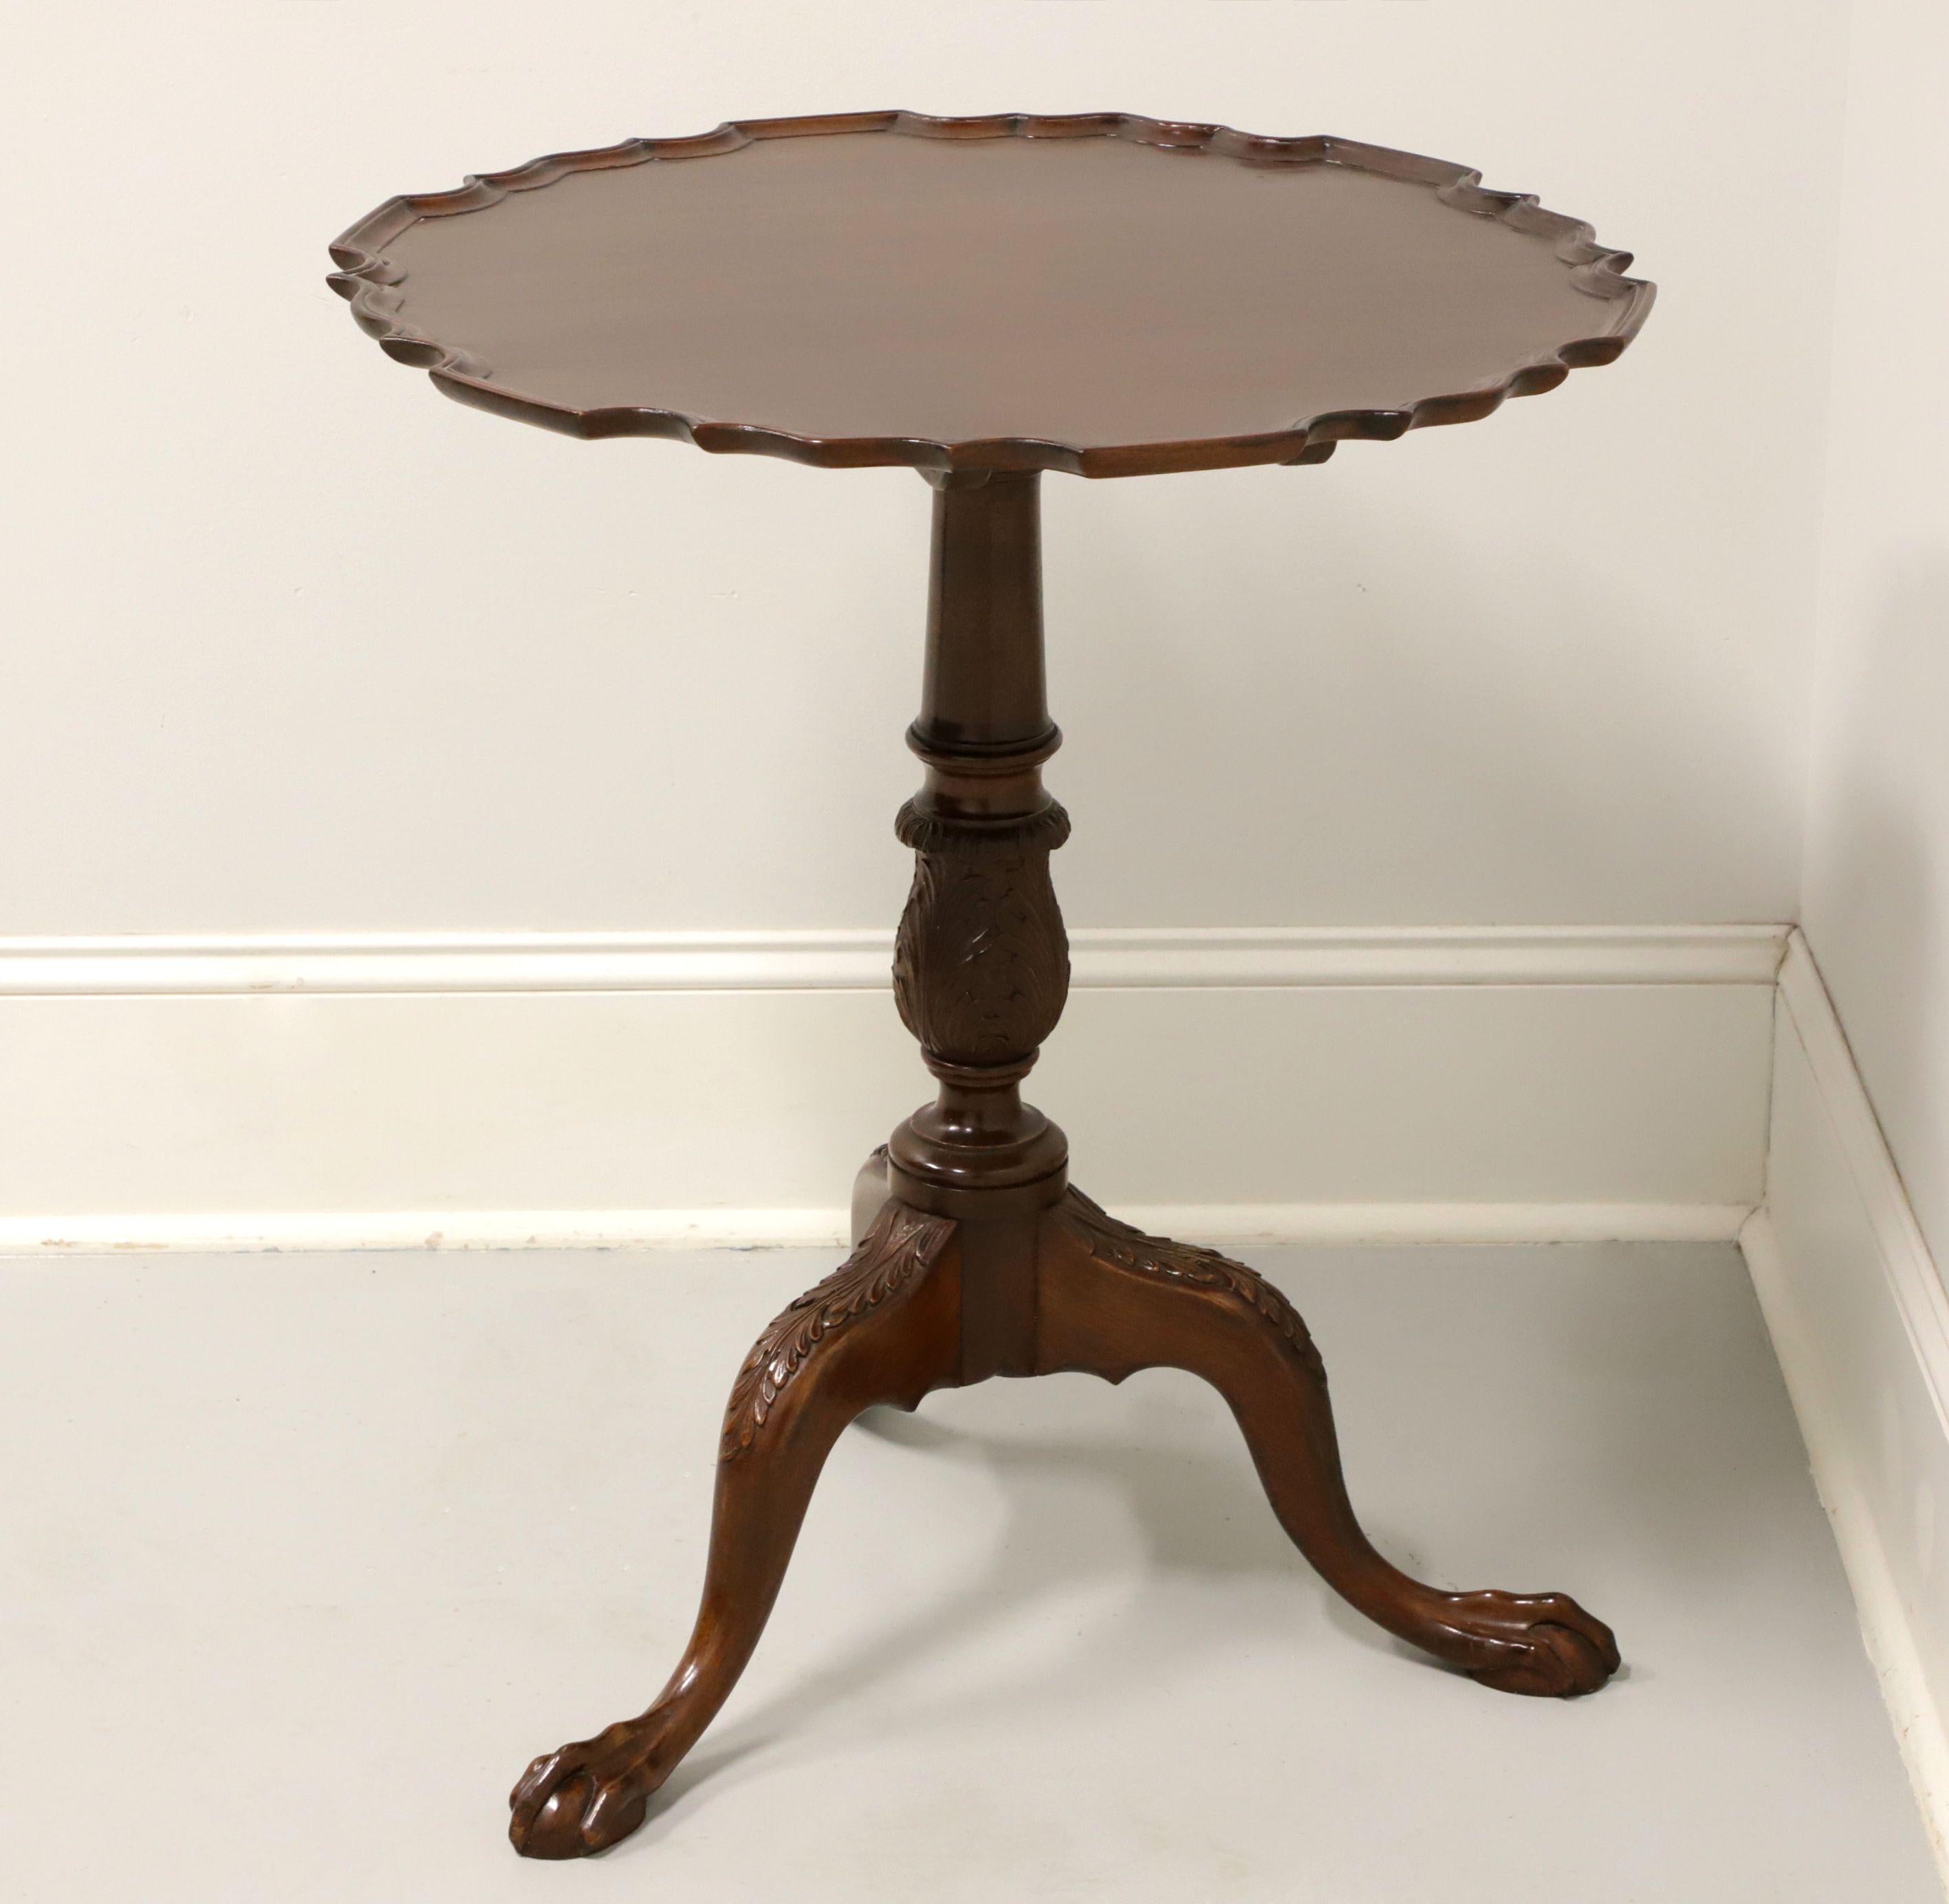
[1876,888]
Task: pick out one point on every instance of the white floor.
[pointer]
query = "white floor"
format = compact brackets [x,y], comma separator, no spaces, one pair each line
[304,1557]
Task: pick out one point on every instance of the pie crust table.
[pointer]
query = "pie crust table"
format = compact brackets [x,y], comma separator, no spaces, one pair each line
[982,300]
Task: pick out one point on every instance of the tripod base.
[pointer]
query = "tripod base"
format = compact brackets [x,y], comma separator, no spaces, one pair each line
[975,1258]
[928,1300]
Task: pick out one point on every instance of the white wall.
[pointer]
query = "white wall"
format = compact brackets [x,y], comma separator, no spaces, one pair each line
[1876,909]
[297,646]
[1857,1307]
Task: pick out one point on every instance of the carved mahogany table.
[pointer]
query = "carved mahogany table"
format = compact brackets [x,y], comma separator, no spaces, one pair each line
[984,300]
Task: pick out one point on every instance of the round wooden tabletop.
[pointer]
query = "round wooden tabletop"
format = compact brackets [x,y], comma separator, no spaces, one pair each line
[1106,294]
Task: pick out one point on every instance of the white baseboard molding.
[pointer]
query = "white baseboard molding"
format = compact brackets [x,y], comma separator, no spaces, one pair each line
[1860,1321]
[1231,1225]
[1240,1085]
[180,966]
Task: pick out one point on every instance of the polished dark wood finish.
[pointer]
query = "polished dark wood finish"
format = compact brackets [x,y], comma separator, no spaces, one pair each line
[1084,1293]
[980,961]
[883,1329]
[1111,1300]
[974,289]
[1102,293]
[980,1260]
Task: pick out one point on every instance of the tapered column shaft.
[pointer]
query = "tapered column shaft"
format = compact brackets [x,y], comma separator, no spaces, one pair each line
[982,688]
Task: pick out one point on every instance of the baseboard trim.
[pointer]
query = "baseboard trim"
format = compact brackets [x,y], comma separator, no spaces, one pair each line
[1860,1322]
[153,1087]
[1231,1224]
[1886,1630]
[1907,1266]
[1108,958]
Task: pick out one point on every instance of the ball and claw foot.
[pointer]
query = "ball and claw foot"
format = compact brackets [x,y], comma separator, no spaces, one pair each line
[1541,1644]
[586,1797]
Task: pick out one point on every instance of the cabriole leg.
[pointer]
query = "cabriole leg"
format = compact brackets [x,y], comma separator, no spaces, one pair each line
[884,1328]
[1112,1300]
